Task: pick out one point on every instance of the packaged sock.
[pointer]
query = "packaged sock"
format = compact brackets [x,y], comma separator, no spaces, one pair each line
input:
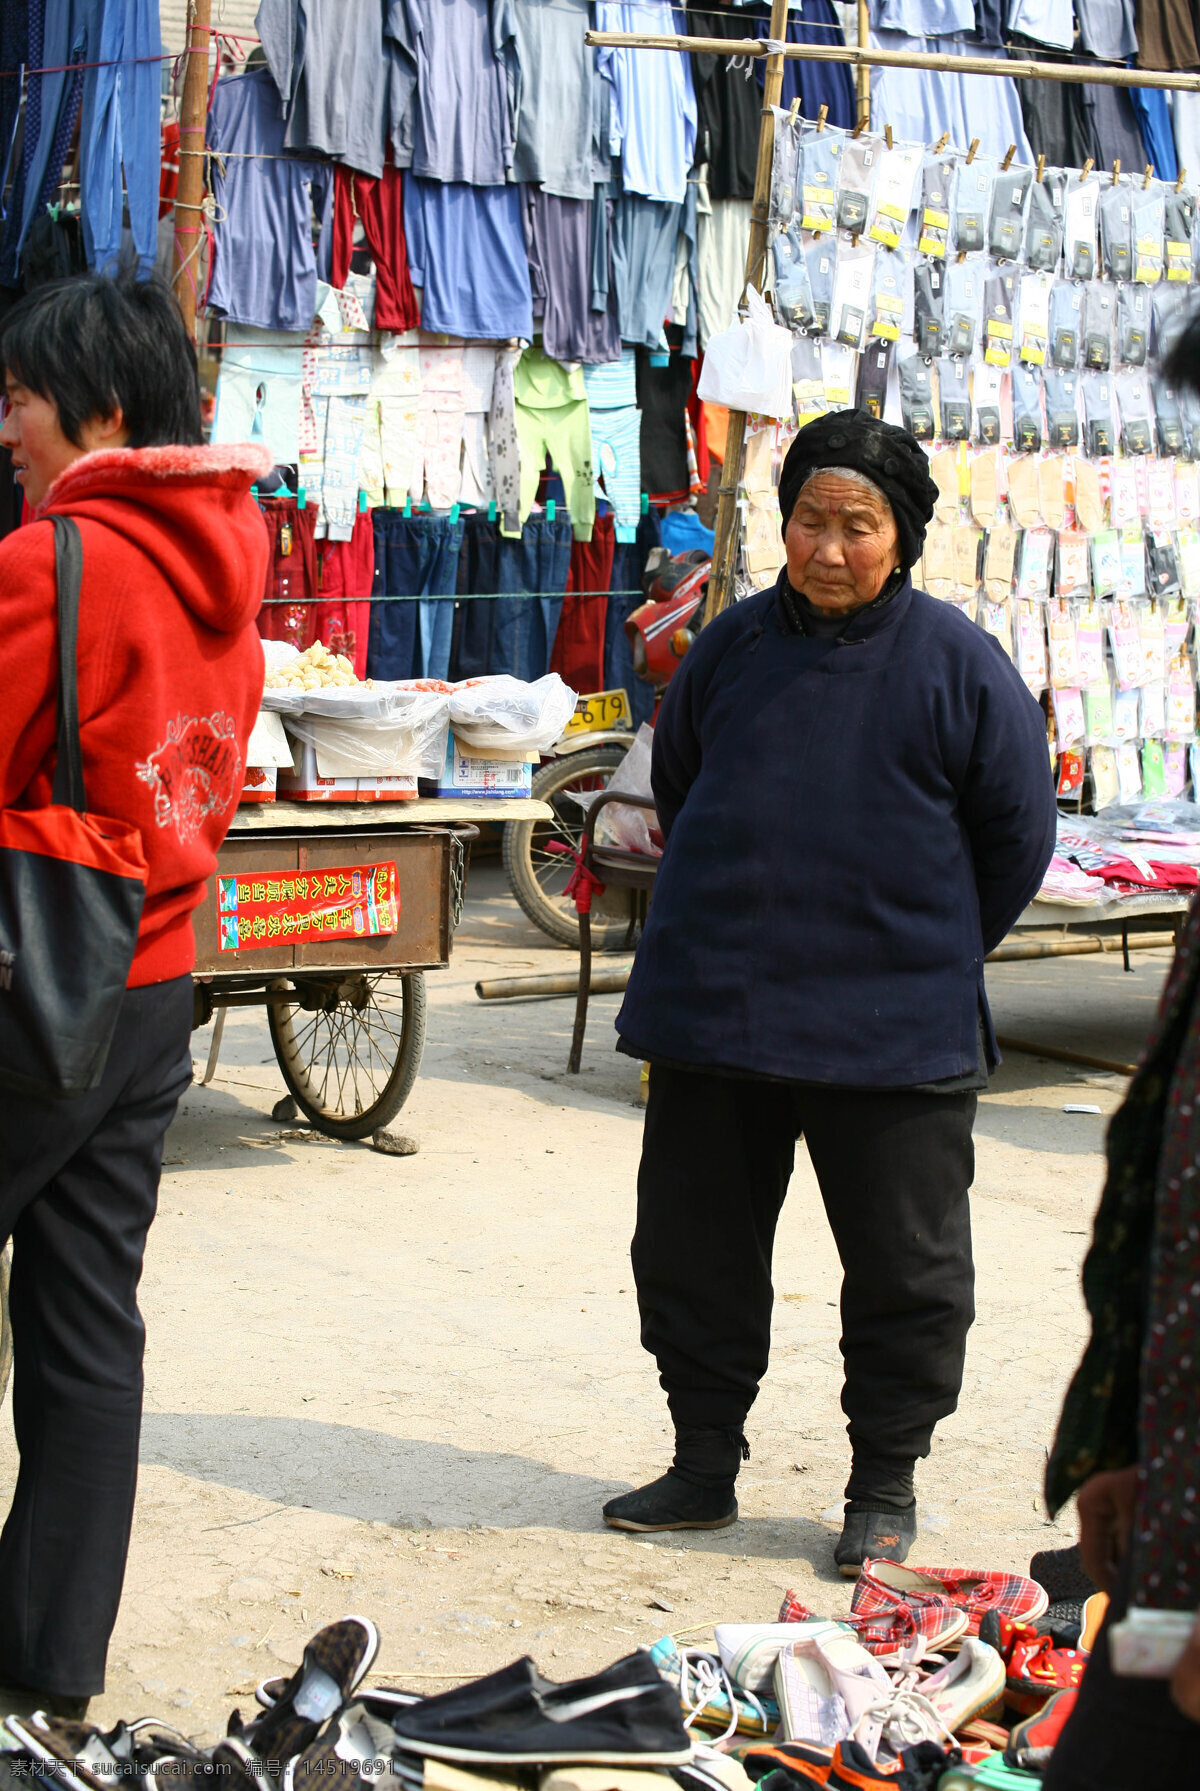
[1098,414]
[1168,421]
[1133,403]
[894,185]
[1116,230]
[852,286]
[972,202]
[808,383]
[785,166]
[1044,223]
[1062,408]
[943,469]
[1099,310]
[1080,209]
[1006,228]
[1169,305]
[954,400]
[793,294]
[999,300]
[1023,490]
[937,181]
[820,152]
[819,255]
[887,296]
[874,365]
[856,182]
[1035,318]
[1179,219]
[998,561]
[1089,505]
[928,289]
[1051,493]
[1149,217]
[1133,325]
[1027,409]
[916,398]
[985,403]
[962,304]
[983,487]
[1066,319]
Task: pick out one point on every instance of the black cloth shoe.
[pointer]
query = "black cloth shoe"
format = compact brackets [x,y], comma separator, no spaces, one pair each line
[874,1533]
[672,1503]
[335,1663]
[625,1714]
[1059,1571]
[23,1700]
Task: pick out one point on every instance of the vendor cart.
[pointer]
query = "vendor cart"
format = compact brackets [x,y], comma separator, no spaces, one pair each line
[328,915]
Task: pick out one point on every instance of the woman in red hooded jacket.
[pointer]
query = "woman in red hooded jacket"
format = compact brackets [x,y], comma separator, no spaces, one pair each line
[103,421]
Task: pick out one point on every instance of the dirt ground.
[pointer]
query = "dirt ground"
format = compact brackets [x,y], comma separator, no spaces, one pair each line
[405,1386]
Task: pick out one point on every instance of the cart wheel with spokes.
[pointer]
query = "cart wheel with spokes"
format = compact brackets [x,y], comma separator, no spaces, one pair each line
[350,1048]
[538,877]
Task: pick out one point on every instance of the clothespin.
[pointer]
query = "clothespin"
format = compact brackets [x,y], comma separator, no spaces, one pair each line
[408,505]
[551,509]
[1087,168]
[1180,181]
[1116,172]
[362,503]
[971,151]
[1041,168]
[645,503]
[301,498]
[941,143]
[1149,176]
[492,510]
[793,111]
[454,513]
[1006,164]
[859,128]
[822,115]
[887,132]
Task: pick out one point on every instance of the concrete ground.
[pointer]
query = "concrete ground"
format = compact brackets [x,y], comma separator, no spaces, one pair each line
[405,1386]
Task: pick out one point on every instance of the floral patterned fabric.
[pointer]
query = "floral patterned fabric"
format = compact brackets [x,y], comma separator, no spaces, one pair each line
[1134,1395]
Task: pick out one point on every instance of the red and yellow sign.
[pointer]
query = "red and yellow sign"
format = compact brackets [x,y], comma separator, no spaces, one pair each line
[358,901]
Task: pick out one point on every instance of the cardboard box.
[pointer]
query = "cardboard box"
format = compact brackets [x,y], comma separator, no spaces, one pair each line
[387,789]
[260,784]
[465,774]
[301,781]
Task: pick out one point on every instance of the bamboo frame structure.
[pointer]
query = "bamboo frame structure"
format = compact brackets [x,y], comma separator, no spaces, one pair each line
[862,59]
[189,197]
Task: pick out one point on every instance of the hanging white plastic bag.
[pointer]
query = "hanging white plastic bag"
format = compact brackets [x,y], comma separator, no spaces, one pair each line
[619,825]
[749,367]
[505,714]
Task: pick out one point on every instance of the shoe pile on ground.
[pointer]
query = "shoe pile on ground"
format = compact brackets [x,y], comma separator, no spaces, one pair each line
[938,1678]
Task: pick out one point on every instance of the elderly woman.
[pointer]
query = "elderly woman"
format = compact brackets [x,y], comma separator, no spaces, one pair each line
[855,791]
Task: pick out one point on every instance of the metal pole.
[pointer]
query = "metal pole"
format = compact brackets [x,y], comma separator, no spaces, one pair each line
[1090,74]
[720,585]
[189,199]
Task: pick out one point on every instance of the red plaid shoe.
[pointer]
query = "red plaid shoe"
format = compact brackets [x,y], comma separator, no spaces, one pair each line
[1010,1595]
[899,1636]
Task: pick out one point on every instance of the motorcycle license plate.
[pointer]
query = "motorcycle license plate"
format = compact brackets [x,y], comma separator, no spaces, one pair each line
[598,713]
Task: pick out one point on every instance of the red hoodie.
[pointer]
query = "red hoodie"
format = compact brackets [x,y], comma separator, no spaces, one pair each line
[169,662]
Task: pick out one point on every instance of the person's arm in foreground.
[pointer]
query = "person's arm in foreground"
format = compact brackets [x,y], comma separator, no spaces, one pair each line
[29,631]
[1008,802]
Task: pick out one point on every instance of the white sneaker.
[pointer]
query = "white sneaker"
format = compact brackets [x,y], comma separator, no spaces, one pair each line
[969,1685]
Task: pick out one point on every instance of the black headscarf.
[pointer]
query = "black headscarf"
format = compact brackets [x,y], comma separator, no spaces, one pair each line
[890,457]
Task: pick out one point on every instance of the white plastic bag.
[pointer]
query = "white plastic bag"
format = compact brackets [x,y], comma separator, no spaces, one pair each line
[749,367]
[505,714]
[629,828]
[374,728]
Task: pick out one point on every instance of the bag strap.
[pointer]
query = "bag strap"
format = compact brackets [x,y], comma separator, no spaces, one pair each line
[68,567]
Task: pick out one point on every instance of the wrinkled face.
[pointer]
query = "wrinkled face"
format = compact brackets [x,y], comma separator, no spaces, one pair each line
[841,543]
[40,450]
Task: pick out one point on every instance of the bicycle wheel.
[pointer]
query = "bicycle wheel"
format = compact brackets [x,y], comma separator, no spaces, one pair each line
[538,877]
[350,1050]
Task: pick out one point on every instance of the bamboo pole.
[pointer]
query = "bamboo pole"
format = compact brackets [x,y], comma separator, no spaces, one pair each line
[1093,75]
[189,198]
[726,534]
[863,73]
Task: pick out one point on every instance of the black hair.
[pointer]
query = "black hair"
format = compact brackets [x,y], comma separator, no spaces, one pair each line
[90,343]
[1182,366]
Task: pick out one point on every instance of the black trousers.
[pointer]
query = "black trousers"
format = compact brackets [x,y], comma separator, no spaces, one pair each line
[894,1170]
[78,1190]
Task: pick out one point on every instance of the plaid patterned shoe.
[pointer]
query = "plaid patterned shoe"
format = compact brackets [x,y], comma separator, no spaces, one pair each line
[898,1636]
[881,1583]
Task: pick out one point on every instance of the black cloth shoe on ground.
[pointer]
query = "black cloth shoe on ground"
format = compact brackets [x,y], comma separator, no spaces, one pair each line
[628,1714]
[672,1503]
[23,1700]
[871,1532]
[336,1661]
[1060,1572]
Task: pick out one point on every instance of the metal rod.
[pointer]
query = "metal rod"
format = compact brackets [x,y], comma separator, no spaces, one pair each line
[193,117]
[554,982]
[1072,74]
[720,584]
[1059,1054]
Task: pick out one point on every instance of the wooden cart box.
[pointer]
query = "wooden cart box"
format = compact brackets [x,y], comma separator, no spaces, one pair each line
[423,872]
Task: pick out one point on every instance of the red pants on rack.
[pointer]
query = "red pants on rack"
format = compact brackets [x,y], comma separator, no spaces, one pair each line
[578,655]
[345,574]
[379,203]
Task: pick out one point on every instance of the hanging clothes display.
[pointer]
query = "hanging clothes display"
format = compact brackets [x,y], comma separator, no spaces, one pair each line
[814,84]
[344,74]
[653,126]
[920,104]
[559,239]
[380,206]
[552,420]
[466,251]
[460,125]
[557,70]
[728,106]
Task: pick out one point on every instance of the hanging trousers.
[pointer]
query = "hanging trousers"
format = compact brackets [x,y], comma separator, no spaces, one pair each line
[894,1169]
[78,1190]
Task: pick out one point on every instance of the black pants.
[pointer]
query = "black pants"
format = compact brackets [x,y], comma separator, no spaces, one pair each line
[1123,1734]
[894,1171]
[78,1190]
